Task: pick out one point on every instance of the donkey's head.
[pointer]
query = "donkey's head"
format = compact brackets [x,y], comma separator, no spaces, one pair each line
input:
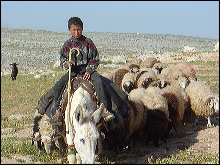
[83,118]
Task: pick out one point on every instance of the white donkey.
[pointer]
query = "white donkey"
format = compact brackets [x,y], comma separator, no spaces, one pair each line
[80,121]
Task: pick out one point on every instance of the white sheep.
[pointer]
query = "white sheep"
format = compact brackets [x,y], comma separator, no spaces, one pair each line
[203,102]
[187,70]
[177,76]
[47,134]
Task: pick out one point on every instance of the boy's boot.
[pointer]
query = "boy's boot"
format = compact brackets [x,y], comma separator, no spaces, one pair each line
[107,115]
[56,119]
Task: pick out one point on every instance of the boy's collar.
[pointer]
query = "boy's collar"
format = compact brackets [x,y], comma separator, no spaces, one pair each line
[81,38]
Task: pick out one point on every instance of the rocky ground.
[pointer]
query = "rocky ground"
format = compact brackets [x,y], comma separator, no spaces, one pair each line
[194,139]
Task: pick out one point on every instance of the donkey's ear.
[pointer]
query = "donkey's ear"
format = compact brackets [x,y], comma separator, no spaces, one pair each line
[97,114]
[79,114]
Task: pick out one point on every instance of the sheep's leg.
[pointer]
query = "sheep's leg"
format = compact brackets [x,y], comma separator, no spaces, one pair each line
[209,124]
[156,142]
[100,146]
[196,122]
[78,159]
[62,150]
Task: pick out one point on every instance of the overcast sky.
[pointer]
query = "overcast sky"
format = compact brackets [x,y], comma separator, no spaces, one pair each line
[188,18]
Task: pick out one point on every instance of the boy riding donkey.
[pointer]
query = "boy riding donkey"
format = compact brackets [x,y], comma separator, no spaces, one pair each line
[108,93]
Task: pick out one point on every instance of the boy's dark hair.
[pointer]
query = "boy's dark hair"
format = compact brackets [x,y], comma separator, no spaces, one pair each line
[75,21]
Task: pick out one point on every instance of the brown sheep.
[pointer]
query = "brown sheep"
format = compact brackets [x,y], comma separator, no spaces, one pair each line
[119,74]
[14,71]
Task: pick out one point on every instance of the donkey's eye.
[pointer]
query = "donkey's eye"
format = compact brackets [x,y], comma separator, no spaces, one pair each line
[82,141]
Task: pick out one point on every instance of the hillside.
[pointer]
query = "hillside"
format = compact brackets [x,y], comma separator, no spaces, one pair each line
[38,49]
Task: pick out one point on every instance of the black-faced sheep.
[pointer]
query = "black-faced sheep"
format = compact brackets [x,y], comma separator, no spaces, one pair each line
[162,81]
[159,66]
[128,82]
[145,78]
[14,71]
[203,102]
[134,68]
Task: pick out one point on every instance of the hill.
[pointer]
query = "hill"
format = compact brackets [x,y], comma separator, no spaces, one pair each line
[38,49]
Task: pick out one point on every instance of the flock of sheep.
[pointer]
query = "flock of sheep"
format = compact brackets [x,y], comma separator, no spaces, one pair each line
[161,96]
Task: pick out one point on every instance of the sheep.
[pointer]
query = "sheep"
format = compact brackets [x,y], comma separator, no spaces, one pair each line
[157,117]
[119,74]
[159,66]
[203,102]
[148,63]
[156,111]
[49,136]
[145,78]
[134,68]
[188,70]
[162,80]
[36,135]
[121,136]
[14,71]
[136,61]
[128,82]
[177,76]
[176,104]
[165,70]
[43,132]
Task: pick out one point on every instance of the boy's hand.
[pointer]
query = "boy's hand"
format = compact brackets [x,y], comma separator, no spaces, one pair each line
[86,76]
[69,63]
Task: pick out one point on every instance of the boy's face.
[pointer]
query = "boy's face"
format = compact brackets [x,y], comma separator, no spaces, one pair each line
[75,30]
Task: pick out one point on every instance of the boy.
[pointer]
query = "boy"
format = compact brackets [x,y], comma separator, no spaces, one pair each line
[84,66]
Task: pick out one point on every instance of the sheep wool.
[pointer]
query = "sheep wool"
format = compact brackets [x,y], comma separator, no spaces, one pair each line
[201,97]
